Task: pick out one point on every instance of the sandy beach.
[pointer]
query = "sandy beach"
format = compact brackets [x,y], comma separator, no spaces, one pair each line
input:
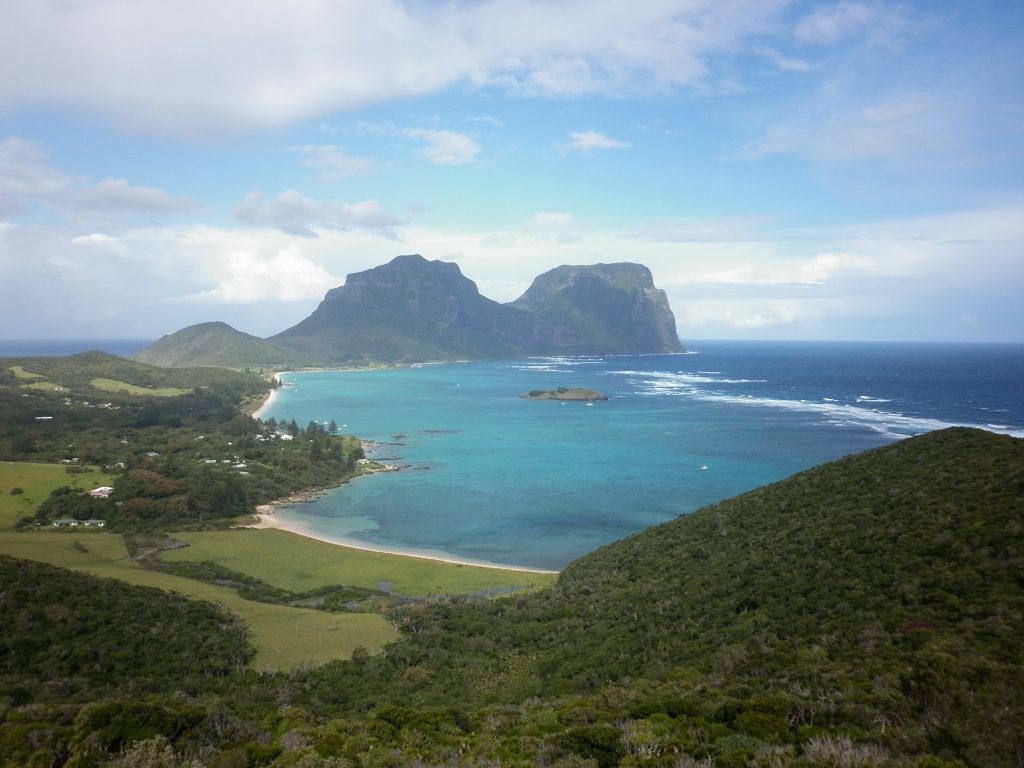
[269,400]
[267,519]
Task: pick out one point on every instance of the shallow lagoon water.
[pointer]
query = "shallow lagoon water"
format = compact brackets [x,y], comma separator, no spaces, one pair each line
[496,478]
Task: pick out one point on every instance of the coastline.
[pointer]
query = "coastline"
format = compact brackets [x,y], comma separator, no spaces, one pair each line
[268,401]
[266,519]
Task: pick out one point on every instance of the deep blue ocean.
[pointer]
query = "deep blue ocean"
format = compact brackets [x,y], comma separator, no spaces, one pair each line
[63,347]
[496,478]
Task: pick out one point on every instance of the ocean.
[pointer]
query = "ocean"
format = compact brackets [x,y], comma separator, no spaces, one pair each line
[491,477]
[64,347]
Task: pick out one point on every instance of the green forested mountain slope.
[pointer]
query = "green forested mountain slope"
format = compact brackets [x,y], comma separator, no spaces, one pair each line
[868,612]
[882,595]
[85,635]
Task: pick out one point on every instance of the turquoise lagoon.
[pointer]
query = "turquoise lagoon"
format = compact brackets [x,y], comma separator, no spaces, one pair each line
[491,477]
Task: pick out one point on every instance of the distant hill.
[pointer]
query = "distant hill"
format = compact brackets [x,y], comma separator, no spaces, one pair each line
[218,344]
[414,310]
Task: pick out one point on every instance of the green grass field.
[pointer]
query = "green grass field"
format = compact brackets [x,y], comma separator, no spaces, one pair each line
[299,564]
[285,637]
[113,385]
[43,386]
[20,373]
[37,481]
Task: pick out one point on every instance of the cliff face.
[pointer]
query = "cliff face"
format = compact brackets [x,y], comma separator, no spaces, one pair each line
[602,309]
[413,309]
[407,310]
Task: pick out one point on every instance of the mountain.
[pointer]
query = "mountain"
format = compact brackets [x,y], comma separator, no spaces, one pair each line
[602,309]
[218,344]
[414,310]
[409,310]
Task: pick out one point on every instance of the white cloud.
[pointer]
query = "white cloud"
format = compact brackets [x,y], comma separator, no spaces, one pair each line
[444,147]
[116,197]
[26,172]
[873,21]
[332,161]
[906,278]
[28,177]
[100,241]
[236,65]
[585,141]
[551,220]
[246,277]
[295,214]
[785,63]
[903,127]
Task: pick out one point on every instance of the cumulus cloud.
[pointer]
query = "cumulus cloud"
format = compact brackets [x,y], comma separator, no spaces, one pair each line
[332,161]
[296,214]
[117,197]
[281,65]
[444,147]
[586,141]
[246,277]
[28,177]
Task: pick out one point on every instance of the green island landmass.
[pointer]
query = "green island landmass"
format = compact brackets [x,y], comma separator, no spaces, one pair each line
[867,612]
[564,393]
[414,310]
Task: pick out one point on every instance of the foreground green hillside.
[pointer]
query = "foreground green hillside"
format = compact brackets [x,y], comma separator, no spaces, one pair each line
[867,612]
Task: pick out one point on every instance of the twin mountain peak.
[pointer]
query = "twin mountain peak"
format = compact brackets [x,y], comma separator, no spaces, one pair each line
[414,310]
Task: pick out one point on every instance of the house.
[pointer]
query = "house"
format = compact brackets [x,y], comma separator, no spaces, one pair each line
[103,492]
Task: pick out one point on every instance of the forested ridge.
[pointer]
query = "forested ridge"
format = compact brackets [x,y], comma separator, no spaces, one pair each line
[867,612]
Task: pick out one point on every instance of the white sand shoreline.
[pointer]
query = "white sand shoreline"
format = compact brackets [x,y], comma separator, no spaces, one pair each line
[267,519]
[269,401]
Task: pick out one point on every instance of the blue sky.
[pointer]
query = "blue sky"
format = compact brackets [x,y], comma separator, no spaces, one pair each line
[788,170]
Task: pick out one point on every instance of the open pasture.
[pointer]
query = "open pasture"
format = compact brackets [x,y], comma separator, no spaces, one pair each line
[298,563]
[36,482]
[284,637]
[113,385]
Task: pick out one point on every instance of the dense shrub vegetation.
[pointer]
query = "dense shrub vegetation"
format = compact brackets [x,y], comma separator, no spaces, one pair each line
[864,613]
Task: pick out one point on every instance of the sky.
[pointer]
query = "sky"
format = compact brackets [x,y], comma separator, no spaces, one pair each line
[847,170]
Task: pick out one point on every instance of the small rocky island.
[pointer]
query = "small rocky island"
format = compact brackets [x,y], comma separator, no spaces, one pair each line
[563,393]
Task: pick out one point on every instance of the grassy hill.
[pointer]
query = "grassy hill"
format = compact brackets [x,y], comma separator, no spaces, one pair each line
[868,612]
[221,345]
